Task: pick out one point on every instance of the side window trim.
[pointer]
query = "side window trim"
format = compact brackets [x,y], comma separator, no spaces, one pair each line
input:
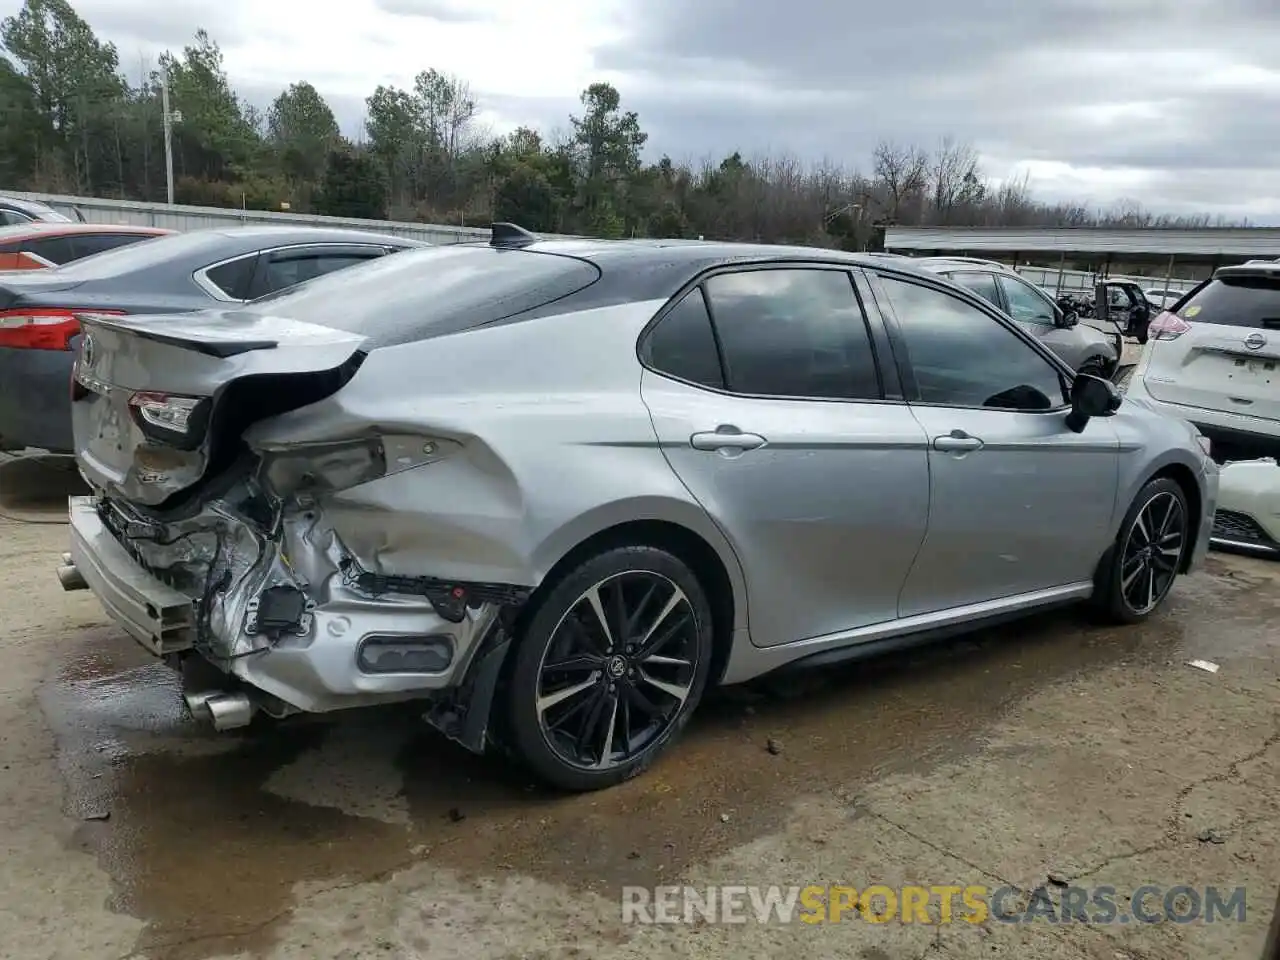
[901,357]
[876,329]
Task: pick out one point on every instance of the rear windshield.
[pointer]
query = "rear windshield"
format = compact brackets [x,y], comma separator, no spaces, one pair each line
[423,293]
[1243,301]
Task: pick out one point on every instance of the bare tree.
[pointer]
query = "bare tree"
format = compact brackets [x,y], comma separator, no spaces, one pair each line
[903,171]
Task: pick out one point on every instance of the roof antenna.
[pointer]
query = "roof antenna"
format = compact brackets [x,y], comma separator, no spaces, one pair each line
[510,235]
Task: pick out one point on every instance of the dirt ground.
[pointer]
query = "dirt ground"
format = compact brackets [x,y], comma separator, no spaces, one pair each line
[1050,747]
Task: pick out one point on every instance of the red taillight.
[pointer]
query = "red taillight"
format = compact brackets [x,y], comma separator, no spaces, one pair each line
[28,328]
[1167,326]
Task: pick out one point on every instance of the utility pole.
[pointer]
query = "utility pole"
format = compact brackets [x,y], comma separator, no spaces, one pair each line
[170,118]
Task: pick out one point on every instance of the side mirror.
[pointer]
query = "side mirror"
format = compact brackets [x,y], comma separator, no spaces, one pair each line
[1091,397]
[1067,319]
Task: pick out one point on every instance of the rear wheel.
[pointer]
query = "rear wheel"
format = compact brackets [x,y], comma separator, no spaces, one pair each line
[1135,577]
[610,667]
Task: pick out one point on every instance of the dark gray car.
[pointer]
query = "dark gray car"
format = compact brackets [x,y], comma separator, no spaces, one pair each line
[1085,348]
[193,271]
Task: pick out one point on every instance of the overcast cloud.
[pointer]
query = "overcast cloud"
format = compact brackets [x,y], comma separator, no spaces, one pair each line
[1169,102]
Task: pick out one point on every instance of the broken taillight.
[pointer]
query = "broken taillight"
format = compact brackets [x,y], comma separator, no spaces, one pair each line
[165,410]
[1167,326]
[30,328]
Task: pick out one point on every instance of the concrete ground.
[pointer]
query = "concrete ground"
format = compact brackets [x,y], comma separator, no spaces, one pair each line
[1052,747]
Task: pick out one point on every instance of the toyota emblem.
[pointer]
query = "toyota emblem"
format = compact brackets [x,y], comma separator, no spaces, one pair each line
[86,351]
[1255,341]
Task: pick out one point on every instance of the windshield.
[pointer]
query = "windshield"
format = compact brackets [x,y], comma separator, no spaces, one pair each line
[1236,301]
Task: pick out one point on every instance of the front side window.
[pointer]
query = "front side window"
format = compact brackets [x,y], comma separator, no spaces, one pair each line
[1025,304]
[963,357]
[983,284]
[793,333]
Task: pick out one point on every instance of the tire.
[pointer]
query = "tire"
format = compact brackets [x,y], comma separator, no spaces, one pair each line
[1096,367]
[1114,598]
[563,628]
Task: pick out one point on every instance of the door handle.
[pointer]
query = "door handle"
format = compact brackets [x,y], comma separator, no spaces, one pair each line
[726,438]
[957,441]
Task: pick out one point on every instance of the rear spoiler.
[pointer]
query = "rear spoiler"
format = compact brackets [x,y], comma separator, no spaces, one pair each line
[222,348]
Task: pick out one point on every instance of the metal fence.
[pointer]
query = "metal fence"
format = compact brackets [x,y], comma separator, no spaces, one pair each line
[181,217]
[1082,281]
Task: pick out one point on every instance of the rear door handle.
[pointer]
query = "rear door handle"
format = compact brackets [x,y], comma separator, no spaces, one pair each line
[957,441]
[726,438]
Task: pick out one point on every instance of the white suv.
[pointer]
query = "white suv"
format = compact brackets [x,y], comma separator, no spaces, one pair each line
[1215,361]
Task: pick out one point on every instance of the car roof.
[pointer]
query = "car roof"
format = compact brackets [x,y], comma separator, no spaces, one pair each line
[300,234]
[944,264]
[53,229]
[33,207]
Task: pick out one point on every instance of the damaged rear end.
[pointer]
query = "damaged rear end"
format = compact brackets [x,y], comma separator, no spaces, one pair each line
[198,543]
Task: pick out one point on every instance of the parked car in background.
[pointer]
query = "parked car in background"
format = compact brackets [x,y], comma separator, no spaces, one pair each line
[1248,515]
[557,489]
[17,211]
[1162,298]
[42,244]
[1216,360]
[1123,304]
[39,328]
[1084,348]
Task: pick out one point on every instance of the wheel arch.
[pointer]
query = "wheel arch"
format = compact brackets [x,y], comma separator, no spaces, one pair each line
[713,563]
[1185,478]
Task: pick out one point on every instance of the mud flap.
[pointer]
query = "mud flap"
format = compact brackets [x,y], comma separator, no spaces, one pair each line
[464,716]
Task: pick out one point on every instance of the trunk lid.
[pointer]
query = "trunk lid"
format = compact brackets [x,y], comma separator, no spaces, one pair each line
[159,402]
[1227,356]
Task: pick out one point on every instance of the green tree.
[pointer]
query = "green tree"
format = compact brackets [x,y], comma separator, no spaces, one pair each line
[217,138]
[393,123]
[74,81]
[302,129]
[606,148]
[23,129]
[353,186]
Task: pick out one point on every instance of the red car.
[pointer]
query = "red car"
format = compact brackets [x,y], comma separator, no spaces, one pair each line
[35,246]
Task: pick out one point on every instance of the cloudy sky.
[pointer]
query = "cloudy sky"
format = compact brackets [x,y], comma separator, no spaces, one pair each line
[1169,102]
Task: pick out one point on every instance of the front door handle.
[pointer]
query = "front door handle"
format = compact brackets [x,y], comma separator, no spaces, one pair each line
[726,438]
[957,441]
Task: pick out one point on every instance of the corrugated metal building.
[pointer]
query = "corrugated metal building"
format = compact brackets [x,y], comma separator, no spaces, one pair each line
[1262,243]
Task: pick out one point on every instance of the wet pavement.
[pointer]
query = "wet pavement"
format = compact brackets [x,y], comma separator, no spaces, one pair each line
[368,835]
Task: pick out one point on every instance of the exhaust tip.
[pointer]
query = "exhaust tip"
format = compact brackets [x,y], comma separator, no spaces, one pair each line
[229,711]
[198,703]
[70,578]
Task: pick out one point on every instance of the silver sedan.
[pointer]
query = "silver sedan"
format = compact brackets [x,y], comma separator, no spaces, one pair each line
[556,490]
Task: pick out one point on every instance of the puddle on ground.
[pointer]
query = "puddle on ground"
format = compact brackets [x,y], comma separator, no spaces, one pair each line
[207,835]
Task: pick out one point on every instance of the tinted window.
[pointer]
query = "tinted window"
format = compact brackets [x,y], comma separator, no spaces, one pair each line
[983,284]
[1236,302]
[10,217]
[962,357]
[684,345]
[283,270]
[420,293]
[54,249]
[793,333]
[88,244]
[1025,303]
[233,278]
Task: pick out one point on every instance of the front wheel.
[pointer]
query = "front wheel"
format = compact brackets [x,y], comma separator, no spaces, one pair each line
[1136,575]
[609,668]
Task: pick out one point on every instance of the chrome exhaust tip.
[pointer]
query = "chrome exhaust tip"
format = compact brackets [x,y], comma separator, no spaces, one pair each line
[70,578]
[198,703]
[229,711]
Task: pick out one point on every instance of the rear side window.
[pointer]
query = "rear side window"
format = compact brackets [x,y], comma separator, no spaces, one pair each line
[233,277]
[283,270]
[683,345]
[793,333]
[423,293]
[1241,301]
